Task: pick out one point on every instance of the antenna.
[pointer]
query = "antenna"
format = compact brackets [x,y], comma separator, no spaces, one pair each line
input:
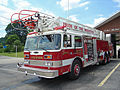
[68,9]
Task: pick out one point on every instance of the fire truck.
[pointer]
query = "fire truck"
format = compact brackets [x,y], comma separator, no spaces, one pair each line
[57,46]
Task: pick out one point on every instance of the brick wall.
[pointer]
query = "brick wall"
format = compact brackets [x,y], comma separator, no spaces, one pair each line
[113,24]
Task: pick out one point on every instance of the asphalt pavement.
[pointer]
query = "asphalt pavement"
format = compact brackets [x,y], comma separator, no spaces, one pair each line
[97,77]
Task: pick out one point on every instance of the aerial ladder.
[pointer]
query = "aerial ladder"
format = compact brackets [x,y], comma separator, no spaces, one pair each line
[40,22]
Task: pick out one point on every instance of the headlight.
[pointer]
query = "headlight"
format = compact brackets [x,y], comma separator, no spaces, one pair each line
[48,63]
[26,61]
[26,55]
[47,56]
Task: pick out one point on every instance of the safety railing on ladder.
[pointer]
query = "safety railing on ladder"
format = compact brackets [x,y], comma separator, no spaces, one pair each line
[31,20]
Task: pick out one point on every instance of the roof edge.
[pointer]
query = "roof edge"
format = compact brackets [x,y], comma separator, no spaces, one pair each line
[108,19]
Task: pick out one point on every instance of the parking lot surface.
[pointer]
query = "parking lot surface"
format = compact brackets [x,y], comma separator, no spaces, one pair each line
[90,79]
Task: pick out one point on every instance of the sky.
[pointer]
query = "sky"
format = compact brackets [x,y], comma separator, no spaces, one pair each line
[87,12]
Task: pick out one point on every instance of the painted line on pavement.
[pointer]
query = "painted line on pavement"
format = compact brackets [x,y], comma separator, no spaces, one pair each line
[107,77]
[10,70]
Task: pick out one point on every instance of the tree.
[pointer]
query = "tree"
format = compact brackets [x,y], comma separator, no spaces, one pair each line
[1,46]
[17,42]
[11,38]
[12,41]
[2,41]
[15,37]
[20,33]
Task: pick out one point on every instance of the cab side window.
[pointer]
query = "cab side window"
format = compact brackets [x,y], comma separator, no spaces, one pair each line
[78,41]
[67,41]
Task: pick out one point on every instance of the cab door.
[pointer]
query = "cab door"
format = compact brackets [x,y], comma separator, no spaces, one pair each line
[67,52]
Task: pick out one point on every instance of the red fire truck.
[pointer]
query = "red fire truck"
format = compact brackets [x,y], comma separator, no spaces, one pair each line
[57,46]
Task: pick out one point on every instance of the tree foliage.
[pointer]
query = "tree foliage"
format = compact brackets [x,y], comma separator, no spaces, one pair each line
[17,42]
[15,37]
[2,41]
[11,38]
[1,46]
[20,33]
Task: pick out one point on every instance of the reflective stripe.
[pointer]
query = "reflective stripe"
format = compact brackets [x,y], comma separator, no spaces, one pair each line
[54,63]
[67,62]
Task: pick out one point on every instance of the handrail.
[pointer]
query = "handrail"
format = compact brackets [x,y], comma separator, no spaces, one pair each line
[23,18]
[20,13]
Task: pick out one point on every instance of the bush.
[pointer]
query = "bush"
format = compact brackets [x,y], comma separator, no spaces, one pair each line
[12,48]
[22,49]
[19,48]
[1,50]
[1,46]
[7,49]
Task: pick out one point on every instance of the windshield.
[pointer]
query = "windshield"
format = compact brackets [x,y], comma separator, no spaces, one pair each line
[43,42]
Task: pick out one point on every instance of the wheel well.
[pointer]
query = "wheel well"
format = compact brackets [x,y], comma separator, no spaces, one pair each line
[81,63]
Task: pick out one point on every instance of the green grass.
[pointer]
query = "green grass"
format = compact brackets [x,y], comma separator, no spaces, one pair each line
[13,54]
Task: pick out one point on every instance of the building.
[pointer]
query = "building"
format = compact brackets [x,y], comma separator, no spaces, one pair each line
[112,26]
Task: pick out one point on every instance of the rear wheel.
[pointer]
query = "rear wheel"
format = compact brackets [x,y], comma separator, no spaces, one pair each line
[75,70]
[108,58]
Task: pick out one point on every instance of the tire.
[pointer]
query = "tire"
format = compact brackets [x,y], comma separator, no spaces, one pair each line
[75,70]
[108,59]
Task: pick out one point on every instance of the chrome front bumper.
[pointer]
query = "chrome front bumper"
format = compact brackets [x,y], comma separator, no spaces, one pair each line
[38,72]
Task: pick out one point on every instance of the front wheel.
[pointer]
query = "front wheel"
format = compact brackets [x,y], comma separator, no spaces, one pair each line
[75,70]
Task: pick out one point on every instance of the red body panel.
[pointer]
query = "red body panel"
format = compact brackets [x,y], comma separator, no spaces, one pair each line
[64,54]
[102,45]
[60,55]
[61,70]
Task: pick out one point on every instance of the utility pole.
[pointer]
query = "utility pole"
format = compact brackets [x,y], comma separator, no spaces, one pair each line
[16,50]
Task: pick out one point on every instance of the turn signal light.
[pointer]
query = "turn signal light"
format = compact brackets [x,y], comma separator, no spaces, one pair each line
[26,56]
[47,56]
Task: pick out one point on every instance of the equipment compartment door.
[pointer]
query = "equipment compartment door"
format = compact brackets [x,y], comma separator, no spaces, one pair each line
[88,48]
